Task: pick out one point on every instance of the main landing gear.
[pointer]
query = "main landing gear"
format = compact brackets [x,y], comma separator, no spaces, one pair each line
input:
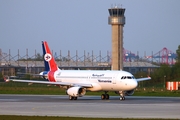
[105,96]
[72,98]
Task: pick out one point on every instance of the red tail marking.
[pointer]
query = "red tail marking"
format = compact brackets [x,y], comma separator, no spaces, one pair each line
[51,76]
[48,57]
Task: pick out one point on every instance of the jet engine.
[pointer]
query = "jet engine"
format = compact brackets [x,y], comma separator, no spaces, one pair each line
[129,93]
[76,91]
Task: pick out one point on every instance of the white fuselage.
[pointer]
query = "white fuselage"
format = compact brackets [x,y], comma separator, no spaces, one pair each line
[100,80]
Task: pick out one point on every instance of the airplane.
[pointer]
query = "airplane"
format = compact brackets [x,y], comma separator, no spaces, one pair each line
[78,82]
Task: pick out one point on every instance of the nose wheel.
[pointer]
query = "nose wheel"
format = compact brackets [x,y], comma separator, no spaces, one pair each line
[122,95]
[122,98]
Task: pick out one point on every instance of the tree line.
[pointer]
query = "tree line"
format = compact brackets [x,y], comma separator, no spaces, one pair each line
[164,73]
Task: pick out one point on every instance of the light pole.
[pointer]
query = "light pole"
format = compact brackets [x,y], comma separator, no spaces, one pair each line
[142,82]
[164,80]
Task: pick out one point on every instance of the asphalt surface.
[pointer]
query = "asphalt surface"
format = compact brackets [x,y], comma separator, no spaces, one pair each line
[90,106]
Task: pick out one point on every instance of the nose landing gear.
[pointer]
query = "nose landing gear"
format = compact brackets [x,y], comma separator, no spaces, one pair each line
[122,95]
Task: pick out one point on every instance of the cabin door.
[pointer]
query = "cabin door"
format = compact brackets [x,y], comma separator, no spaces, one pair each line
[114,79]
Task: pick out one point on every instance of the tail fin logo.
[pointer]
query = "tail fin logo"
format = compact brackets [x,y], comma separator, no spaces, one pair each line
[47,57]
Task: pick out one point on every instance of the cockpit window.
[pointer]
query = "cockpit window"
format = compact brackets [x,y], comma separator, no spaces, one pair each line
[127,77]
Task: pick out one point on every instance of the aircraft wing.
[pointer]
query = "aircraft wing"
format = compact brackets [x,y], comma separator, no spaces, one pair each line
[86,85]
[143,79]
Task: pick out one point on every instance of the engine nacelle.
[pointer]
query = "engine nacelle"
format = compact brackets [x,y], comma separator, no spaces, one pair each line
[76,91]
[129,93]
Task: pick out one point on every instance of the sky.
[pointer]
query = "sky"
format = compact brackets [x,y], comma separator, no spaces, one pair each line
[82,25]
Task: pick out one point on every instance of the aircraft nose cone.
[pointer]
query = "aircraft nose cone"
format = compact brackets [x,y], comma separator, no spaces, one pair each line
[134,84]
[131,84]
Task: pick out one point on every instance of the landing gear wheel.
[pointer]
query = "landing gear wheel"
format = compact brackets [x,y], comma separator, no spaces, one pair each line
[103,96]
[107,96]
[122,98]
[122,95]
[75,98]
[72,98]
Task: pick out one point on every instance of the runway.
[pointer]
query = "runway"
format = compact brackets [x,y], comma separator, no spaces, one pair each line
[90,106]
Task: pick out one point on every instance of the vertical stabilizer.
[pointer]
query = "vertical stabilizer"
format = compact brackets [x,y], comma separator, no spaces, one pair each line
[49,62]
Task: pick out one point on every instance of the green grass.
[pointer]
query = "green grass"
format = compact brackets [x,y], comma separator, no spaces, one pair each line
[14,117]
[41,89]
[161,92]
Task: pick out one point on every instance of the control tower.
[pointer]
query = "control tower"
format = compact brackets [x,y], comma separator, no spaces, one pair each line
[117,21]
